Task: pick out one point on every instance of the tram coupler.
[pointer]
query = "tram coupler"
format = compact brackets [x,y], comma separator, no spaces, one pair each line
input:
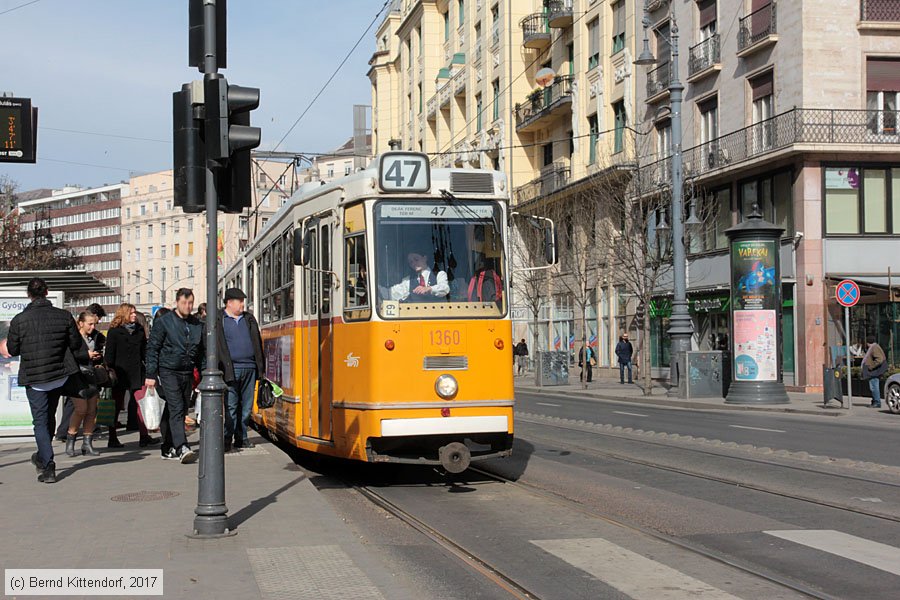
[455,457]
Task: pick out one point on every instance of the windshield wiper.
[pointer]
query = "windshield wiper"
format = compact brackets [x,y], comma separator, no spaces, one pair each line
[454,201]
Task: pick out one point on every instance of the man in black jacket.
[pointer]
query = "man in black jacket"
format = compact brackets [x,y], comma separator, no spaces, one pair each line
[242,363]
[47,339]
[175,349]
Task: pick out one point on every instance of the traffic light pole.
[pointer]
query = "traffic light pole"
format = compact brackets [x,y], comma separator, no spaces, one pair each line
[211,518]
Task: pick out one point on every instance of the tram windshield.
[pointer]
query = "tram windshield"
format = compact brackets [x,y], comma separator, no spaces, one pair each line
[439,259]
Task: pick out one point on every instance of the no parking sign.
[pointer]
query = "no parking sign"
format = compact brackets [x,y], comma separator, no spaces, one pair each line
[847,293]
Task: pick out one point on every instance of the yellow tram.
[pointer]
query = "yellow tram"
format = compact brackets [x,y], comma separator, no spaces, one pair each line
[383,303]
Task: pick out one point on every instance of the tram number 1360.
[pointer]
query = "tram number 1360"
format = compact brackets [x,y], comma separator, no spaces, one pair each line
[404,172]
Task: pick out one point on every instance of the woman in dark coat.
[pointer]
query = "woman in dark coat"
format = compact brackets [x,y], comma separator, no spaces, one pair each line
[126,349]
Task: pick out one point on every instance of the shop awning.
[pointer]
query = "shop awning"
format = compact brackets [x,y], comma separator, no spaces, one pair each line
[72,283]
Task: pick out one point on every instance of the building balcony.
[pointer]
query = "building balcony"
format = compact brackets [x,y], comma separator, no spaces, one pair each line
[704,59]
[658,81]
[757,30]
[559,13]
[535,31]
[810,127]
[879,10]
[553,178]
[542,105]
[458,82]
[431,107]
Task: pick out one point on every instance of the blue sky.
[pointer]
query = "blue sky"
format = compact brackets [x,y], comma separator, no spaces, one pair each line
[110,66]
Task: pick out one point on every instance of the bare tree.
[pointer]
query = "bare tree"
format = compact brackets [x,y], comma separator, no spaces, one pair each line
[28,243]
[529,277]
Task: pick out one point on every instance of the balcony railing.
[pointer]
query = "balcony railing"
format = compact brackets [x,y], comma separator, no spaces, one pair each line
[879,10]
[560,13]
[796,126]
[658,80]
[544,102]
[757,26]
[704,55]
[552,179]
[535,31]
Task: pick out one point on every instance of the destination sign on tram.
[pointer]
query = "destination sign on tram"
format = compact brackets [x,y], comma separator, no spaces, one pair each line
[404,172]
[436,211]
[18,130]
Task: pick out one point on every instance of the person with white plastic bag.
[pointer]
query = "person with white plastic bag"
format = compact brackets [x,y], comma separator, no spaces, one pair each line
[126,350]
[151,406]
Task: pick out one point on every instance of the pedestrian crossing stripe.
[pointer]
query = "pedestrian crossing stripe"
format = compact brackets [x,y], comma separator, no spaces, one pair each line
[637,576]
[874,554]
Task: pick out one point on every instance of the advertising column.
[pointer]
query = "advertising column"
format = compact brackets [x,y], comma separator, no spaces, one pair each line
[756,313]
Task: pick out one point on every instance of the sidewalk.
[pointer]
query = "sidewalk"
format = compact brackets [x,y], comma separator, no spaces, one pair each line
[128,509]
[611,389]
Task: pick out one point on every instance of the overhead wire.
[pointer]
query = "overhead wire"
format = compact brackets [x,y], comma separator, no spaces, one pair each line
[9,10]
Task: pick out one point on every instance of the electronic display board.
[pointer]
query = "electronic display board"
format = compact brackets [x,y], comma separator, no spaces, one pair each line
[18,131]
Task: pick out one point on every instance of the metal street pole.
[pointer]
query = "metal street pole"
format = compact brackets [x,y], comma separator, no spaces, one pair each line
[681,328]
[211,518]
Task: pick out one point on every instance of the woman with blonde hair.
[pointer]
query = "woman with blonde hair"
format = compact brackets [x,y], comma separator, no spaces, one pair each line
[126,349]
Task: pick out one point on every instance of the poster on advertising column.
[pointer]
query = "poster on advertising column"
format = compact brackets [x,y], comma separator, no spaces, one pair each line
[14,410]
[755,300]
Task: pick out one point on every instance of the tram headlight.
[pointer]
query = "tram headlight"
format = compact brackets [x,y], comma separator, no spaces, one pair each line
[446,386]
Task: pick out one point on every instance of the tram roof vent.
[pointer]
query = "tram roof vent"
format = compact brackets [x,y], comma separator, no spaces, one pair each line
[462,182]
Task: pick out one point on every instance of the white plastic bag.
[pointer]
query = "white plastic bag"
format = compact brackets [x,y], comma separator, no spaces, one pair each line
[151,406]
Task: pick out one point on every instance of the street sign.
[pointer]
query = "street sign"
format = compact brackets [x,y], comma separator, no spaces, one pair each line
[154,310]
[847,293]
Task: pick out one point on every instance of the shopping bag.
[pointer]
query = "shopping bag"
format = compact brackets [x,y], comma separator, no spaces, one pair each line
[265,395]
[106,408]
[151,406]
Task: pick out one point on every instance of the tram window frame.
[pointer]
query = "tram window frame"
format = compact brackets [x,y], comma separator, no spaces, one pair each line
[251,292]
[354,246]
[287,275]
[311,278]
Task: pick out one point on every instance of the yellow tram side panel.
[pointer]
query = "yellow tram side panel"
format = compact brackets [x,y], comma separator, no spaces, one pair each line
[372,383]
[282,345]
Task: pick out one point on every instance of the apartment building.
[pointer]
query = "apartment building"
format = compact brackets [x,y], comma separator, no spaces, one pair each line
[791,106]
[164,249]
[88,221]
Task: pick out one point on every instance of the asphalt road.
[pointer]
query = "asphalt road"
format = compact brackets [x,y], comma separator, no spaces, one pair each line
[825,436]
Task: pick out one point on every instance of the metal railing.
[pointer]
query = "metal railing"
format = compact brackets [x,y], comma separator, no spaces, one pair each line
[658,80]
[757,26]
[879,10]
[559,9]
[796,126]
[540,101]
[551,180]
[704,55]
[535,26]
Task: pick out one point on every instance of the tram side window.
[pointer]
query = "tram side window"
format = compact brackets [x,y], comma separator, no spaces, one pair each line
[251,291]
[276,304]
[311,278]
[356,296]
[326,268]
[287,276]
[265,285]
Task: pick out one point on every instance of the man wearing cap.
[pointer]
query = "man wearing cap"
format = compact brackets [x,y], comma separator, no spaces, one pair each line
[241,362]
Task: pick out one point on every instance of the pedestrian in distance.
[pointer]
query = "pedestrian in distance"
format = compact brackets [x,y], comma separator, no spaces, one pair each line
[624,354]
[47,340]
[201,312]
[242,363]
[126,351]
[874,364]
[586,361]
[522,357]
[96,341]
[84,413]
[174,350]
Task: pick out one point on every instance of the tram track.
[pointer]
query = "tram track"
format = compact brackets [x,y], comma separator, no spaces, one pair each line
[717,478]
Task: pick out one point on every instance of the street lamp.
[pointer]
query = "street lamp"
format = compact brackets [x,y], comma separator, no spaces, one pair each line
[681,328]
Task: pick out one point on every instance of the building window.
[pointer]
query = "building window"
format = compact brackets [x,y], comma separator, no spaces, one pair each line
[548,154]
[594,130]
[495,91]
[618,39]
[137,255]
[478,108]
[150,253]
[421,41]
[137,297]
[709,119]
[190,273]
[128,213]
[177,251]
[619,116]
[763,98]
[137,232]
[862,201]
[707,9]
[149,232]
[150,275]
[176,273]
[421,99]
[156,207]
[143,209]
[593,43]
[190,225]
[570,57]
[162,251]
[447,26]
[664,138]
[461,11]
[883,94]
[162,228]
[190,248]
[774,196]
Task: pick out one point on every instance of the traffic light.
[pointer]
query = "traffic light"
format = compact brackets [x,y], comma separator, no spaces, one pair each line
[229,138]
[189,153]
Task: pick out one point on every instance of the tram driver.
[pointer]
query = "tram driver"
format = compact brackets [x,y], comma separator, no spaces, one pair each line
[422,284]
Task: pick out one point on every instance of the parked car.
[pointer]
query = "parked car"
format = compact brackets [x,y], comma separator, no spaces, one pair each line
[892,393]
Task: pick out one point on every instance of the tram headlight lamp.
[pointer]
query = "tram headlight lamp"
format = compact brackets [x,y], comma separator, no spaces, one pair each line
[446,386]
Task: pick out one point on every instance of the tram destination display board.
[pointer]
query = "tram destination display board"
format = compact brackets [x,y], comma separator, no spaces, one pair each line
[18,131]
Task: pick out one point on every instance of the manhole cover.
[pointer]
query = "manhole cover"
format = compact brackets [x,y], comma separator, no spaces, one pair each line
[144,496]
